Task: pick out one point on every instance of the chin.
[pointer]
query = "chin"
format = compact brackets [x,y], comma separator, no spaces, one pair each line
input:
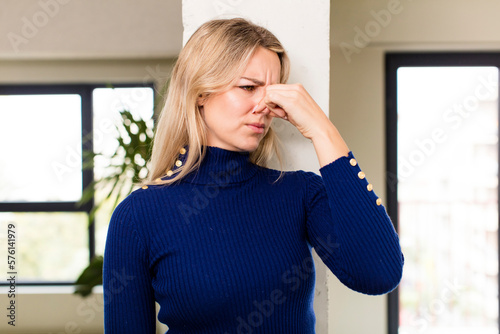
[249,146]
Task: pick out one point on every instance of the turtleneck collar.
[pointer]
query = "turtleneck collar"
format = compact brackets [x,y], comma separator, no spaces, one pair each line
[221,166]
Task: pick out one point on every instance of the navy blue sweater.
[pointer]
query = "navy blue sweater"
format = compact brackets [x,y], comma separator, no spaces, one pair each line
[228,250]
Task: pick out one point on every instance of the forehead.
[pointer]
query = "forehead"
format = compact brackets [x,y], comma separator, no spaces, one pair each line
[264,65]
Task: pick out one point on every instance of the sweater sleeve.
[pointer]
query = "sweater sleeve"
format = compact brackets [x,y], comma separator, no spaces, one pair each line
[351,233]
[129,304]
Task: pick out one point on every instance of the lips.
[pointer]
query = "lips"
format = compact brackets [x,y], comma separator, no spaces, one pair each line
[257,127]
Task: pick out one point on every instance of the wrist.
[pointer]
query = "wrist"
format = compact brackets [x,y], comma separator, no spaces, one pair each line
[329,145]
[326,133]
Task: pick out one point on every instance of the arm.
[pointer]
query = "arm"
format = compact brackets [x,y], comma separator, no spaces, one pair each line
[346,225]
[350,232]
[129,305]
[369,258]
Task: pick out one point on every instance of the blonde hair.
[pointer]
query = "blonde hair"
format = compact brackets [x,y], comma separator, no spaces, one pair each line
[209,63]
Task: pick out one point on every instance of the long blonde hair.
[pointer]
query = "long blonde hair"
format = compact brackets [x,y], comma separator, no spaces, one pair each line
[209,63]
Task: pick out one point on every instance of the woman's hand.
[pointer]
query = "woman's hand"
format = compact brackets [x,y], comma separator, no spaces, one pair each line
[293,103]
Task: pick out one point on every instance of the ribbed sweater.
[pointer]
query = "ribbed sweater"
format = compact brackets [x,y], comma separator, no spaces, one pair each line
[228,250]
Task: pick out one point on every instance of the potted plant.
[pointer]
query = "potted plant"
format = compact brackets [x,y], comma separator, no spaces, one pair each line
[127,166]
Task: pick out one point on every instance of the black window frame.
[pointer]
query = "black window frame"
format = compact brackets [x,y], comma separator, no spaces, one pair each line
[393,61]
[85,90]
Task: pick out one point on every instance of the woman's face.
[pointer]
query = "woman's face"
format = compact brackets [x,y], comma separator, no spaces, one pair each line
[228,115]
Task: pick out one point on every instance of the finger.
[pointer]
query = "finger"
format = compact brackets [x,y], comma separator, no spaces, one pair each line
[278,115]
[264,103]
[276,109]
[279,86]
[282,99]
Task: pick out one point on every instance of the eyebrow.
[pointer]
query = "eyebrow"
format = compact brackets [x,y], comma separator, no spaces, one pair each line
[255,81]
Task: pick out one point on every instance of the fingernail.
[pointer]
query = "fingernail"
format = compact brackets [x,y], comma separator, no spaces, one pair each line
[254,108]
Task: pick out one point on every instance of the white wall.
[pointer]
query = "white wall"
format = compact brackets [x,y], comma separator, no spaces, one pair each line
[357,96]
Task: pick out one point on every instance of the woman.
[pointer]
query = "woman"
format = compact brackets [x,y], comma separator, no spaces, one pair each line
[221,242]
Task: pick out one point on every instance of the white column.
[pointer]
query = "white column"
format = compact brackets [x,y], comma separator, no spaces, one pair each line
[304,29]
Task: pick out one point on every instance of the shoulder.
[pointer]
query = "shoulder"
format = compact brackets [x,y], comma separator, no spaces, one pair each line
[129,203]
[140,201]
[142,196]
[135,214]
[154,202]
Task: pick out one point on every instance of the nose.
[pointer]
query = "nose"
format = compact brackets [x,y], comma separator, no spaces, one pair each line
[261,108]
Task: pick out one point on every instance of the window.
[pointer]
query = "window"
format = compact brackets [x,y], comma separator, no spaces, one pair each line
[44,130]
[442,144]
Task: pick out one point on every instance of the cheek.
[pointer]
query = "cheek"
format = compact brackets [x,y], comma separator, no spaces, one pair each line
[226,112]
[238,105]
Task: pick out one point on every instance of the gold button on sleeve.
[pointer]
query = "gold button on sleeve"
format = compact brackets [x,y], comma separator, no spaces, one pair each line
[353,162]
[178,163]
[183,150]
[379,201]
[361,175]
[144,187]
[169,172]
[369,187]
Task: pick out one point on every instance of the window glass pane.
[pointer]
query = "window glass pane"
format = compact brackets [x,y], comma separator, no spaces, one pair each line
[108,102]
[49,246]
[447,198]
[41,140]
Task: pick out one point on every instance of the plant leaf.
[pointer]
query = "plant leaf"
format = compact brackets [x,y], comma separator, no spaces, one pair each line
[90,277]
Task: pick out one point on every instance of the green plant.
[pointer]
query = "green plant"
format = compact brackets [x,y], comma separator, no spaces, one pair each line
[126,167]
[90,277]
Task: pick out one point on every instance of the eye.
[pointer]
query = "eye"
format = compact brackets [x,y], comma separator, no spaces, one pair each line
[248,88]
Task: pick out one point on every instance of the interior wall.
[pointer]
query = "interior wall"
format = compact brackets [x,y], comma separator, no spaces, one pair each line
[85,71]
[362,32]
[73,29]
